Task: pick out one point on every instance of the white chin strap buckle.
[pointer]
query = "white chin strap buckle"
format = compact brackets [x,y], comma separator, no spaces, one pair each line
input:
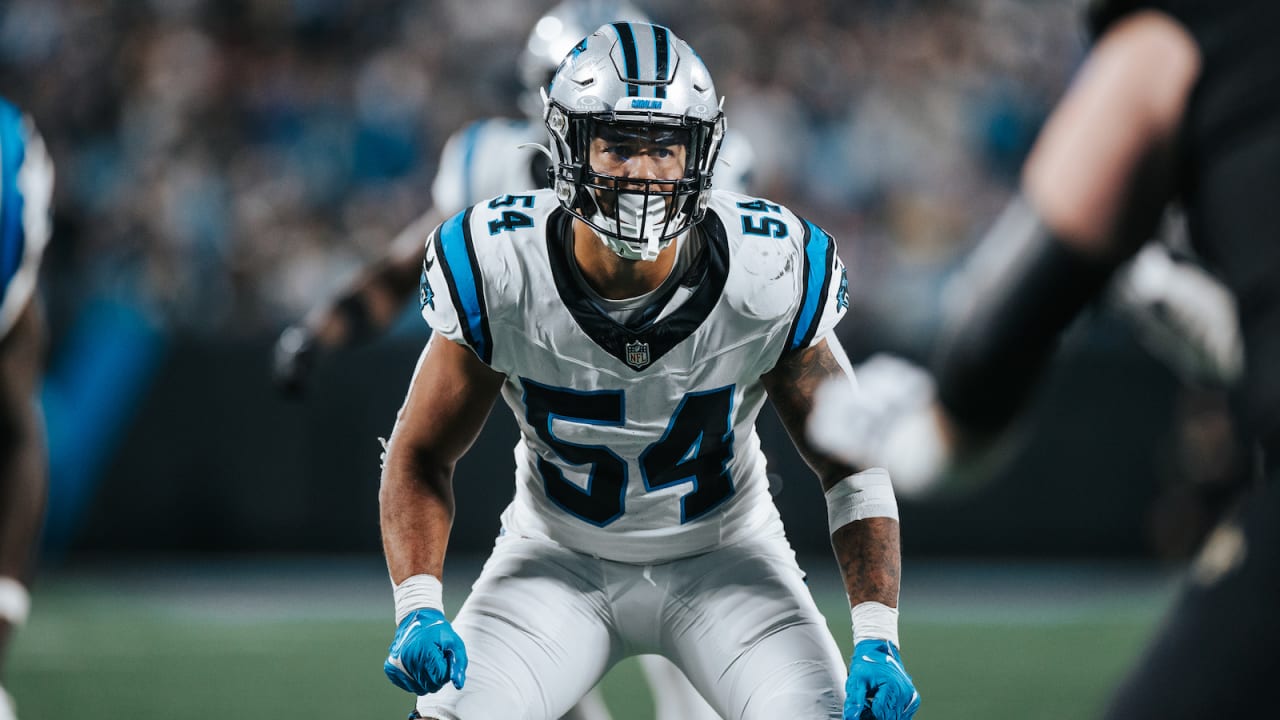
[652,243]
[641,208]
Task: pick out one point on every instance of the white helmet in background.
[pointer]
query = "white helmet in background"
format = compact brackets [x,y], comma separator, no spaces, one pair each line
[633,80]
[555,33]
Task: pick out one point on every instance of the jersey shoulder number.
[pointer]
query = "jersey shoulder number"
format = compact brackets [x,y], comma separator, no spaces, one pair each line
[467,275]
[779,249]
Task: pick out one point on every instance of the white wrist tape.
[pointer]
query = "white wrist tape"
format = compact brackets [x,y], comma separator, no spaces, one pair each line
[864,495]
[875,621]
[418,592]
[15,601]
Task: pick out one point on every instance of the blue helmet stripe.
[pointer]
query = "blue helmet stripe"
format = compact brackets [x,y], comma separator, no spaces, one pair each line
[461,271]
[12,229]
[819,254]
[628,41]
[662,46]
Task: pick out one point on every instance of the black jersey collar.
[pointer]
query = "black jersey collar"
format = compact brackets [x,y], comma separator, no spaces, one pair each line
[641,346]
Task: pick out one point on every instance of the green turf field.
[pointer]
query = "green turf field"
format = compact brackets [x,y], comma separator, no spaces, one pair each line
[287,639]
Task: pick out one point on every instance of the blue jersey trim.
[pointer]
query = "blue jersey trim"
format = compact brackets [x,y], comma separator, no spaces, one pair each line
[819,252]
[12,229]
[457,258]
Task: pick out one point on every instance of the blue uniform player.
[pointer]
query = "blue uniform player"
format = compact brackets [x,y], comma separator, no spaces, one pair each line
[26,187]
[634,320]
[487,158]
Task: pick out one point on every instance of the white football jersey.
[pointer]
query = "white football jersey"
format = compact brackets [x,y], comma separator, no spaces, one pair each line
[638,443]
[485,159]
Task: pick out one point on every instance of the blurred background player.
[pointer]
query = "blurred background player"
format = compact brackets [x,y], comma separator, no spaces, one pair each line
[634,320]
[487,158]
[26,187]
[1180,312]
[1177,102]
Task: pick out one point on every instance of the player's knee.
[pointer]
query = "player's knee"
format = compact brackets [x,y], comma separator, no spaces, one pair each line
[794,704]
[802,690]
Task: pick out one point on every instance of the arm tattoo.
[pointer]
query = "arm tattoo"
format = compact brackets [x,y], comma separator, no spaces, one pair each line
[791,385]
[869,554]
[868,550]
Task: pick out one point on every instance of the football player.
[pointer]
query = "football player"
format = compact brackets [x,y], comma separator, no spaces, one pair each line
[488,157]
[1179,311]
[26,186]
[633,320]
[1177,101]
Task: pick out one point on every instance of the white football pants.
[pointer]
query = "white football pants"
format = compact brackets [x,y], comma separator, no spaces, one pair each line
[543,624]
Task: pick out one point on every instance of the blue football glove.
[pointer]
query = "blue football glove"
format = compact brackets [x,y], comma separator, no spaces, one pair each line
[878,686]
[425,654]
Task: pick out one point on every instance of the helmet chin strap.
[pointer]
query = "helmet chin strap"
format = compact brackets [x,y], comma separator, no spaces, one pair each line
[633,211]
[655,208]
[651,249]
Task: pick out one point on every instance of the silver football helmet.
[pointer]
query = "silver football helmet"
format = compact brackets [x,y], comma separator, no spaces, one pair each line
[638,81]
[562,27]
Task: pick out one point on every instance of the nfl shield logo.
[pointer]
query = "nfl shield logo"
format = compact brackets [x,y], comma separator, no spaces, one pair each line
[637,354]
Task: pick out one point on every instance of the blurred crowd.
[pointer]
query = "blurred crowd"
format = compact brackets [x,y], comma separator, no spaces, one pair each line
[223,164]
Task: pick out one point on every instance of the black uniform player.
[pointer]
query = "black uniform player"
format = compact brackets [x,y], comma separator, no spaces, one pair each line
[1221,636]
[1178,101]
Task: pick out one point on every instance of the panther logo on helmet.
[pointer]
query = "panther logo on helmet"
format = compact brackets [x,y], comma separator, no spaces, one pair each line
[555,34]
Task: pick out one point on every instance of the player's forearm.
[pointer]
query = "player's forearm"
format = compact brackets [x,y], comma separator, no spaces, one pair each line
[393,282]
[870,558]
[23,462]
[416,511]
[867,547]
[449,398]
[792,386]
[368,307]
[1017,292]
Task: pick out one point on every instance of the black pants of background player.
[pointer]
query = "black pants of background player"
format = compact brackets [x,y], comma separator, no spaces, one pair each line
[1217,654]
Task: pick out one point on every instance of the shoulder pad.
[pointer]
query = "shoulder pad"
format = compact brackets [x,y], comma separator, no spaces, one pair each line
[788,262]
[470,272]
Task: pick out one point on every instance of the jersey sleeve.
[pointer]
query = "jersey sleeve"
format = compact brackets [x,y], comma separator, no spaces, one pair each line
[26,190]
[452,288]
[824,289]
